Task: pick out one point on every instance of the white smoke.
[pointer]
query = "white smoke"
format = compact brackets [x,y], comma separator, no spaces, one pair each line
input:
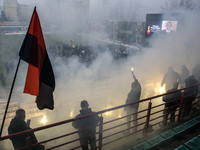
[106,82]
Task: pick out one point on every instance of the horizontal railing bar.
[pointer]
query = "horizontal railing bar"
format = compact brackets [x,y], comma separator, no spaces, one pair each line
[120,138]
[125,116]
[100,112]
[117,119]
[124,123]
[123,130]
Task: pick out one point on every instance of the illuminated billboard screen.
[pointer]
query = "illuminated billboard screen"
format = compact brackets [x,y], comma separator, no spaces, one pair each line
[160,23]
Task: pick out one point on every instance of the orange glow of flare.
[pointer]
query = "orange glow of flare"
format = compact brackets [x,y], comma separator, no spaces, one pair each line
[44,120]
[71,114]
[108,113]
[162,90]
[119,116]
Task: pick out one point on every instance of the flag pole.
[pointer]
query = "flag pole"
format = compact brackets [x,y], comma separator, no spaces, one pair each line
[13,83]
[12,87]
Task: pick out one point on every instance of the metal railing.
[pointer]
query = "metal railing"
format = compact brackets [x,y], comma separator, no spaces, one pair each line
[111,131]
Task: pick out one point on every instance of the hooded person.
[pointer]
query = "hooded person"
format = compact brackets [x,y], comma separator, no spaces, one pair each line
[18,124]
[189,95]
[86,126]
[133,95]
[172,102]
[184,74]
[170,78]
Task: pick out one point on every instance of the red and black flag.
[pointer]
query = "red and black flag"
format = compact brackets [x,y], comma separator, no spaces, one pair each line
[40,79]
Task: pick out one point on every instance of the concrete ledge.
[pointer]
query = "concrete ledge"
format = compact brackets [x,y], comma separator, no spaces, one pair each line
[179,129]
[190,123]
[194,143]
[155,141]
[142,146]
[182,147]
[168,134]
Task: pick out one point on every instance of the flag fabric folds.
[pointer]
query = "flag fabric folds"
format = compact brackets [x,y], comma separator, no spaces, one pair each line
[72,44]
[40,80]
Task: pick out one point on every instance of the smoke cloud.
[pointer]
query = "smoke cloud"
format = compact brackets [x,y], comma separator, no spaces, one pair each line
[105,82]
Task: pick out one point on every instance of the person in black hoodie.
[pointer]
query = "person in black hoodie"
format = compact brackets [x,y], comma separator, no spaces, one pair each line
[172,103]
[190,95]
[133,96]
[86,126]
[18,124]
[170,78]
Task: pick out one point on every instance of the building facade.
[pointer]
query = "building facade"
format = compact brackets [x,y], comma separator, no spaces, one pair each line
[10,9]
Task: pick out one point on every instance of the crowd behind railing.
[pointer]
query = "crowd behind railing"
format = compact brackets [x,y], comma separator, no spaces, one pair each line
[112,132]
[149,115]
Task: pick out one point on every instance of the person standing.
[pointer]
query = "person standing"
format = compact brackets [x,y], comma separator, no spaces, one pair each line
[184,74]
[190,94]
[170,78]
[172,102]
[196,72]
[133,95]
[86,126]
[18,124]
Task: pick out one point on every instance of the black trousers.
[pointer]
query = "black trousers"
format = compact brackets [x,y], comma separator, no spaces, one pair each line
[169,112]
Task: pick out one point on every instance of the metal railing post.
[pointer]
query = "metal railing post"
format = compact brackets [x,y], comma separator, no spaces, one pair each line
[180,108]
[28,140]
[147,119]
[100,132]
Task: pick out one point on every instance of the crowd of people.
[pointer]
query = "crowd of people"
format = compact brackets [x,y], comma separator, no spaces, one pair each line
[172,81]
[86,126]
[87,54]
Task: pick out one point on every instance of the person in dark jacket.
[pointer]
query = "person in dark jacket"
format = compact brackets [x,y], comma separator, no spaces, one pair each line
[172,103]
[18,124]
[89,122]
[170,78]
[133,95]
[184,74]
[190,94]
[196,72]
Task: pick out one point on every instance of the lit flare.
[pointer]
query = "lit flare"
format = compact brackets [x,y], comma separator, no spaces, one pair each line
[162,90]
[44,120]
[132,69]
[108,113]
[71,114]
